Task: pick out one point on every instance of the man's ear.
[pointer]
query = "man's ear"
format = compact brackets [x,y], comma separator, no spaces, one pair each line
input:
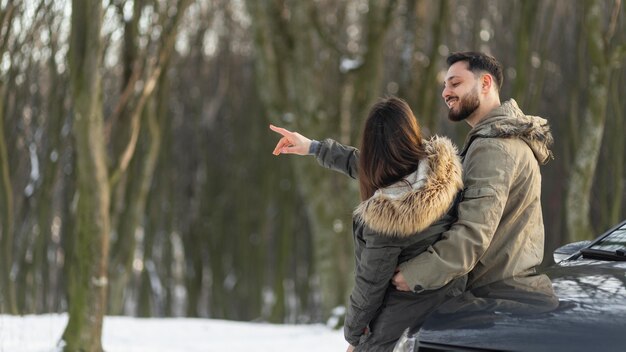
[486,82]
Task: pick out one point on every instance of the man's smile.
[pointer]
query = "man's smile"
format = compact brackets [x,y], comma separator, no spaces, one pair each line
[451,101]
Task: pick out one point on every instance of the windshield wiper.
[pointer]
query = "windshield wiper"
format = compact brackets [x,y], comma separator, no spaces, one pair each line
[617,255]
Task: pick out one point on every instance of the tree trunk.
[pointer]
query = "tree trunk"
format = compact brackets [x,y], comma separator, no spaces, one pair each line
[525,28]
[158,210]
[617,153]
[49,165]
[578,199]
[88,264]
[429,97]
[8,302]
[535,92]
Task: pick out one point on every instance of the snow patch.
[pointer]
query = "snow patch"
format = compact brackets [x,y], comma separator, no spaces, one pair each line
[42,333]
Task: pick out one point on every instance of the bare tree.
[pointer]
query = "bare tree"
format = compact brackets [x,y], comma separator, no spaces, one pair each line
[88,264]
[603,58]
[7,219]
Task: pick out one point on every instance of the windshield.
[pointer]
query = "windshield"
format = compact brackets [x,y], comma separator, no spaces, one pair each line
[610,247]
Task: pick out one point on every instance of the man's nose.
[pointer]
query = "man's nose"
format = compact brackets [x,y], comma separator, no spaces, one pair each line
[445,93]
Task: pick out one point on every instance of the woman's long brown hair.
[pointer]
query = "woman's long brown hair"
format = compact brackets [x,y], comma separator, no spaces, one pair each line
[391,146]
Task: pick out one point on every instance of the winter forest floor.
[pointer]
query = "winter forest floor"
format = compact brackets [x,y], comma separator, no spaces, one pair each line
[41,333]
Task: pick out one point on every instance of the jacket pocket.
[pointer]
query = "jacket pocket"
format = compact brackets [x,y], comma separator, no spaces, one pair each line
[482,192]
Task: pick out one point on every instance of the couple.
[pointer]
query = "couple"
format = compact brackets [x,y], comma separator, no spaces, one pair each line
[411,229]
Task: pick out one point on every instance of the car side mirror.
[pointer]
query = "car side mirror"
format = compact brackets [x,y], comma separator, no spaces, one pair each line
[568,250]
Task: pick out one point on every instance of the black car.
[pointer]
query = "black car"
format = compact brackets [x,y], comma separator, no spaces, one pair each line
[578,304]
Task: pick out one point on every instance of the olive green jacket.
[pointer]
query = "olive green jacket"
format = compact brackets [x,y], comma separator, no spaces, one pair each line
[499,232]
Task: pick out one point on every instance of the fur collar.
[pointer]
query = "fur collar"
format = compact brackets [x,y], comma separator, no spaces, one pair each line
[508,121]
[414,203]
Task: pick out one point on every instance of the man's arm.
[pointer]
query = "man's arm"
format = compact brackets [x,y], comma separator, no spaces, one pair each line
[488,175]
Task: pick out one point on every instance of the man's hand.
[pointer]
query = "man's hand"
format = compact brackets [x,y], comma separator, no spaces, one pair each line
[399,282]
[350,348]
[291,142]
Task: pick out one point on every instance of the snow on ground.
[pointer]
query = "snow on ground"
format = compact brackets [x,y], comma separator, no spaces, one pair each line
[41,333]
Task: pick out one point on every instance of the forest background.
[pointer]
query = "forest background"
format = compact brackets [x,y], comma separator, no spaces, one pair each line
[136,174]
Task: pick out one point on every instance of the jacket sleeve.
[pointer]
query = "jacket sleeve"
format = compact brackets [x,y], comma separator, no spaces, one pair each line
[374,269]
[336,156]
[489,171]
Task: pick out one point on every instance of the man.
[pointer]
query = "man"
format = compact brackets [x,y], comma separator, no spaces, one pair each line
[499,232]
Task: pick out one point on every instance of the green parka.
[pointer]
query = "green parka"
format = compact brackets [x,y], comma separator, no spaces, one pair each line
[396,224]
[499,232]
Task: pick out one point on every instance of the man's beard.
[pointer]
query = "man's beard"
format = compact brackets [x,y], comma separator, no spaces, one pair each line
[468,104]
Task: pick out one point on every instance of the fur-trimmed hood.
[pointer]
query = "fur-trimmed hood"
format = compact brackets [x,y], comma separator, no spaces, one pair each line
[424,196]
[508,121]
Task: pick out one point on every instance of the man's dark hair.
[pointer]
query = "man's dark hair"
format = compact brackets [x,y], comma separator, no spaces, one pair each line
[479,62]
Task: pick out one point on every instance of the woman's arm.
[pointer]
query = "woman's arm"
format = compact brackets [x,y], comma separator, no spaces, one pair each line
[329,153]
[336,156]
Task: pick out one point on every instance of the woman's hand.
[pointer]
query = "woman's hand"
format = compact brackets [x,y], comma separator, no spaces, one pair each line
[291,142]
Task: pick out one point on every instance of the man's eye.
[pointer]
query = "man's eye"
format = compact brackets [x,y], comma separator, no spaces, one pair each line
[455,84]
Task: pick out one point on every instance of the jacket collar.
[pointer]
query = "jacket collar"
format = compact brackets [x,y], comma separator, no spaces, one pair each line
[508,121]
[422,197]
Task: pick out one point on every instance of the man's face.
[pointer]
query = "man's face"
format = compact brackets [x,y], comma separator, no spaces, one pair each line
[460,92]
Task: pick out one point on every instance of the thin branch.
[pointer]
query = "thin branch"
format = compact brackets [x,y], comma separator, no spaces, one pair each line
[613,23]
[124,98]
[7,16]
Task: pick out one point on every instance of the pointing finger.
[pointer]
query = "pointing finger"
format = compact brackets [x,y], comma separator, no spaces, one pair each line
[281,130]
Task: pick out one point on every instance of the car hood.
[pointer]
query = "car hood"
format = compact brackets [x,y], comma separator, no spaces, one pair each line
[575,306]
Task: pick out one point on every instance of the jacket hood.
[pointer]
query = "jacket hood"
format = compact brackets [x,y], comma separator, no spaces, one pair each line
[422,197]
[508,121]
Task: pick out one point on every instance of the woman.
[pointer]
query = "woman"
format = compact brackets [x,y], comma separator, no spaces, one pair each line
[408,186]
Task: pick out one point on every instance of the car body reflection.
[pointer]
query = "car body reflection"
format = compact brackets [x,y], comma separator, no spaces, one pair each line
[575,305]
